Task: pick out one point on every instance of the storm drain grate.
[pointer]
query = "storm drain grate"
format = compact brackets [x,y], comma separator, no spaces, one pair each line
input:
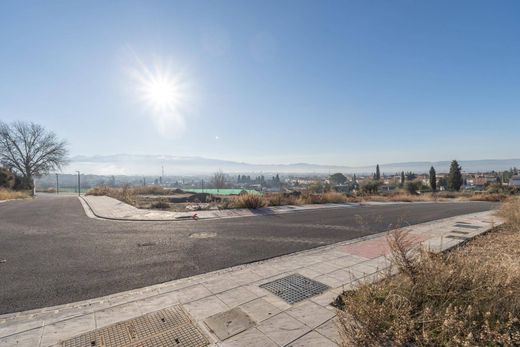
[168,327]
[459,232]
[467,226]
[295,288]
[457,237]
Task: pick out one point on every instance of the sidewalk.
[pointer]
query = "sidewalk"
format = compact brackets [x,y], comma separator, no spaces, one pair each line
[258,317]
[108,208]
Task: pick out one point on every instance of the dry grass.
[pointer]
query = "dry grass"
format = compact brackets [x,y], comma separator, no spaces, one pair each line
[251,201]
[125,194]
[6,194]
[467,297]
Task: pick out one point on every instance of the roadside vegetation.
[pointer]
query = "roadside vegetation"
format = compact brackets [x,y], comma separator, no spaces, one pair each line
[27,150]
[469,296]
[6,194]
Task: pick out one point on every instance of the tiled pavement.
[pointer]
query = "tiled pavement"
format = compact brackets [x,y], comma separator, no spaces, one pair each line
[274,321]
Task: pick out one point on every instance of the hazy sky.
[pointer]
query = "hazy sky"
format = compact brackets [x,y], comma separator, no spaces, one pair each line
[330,82]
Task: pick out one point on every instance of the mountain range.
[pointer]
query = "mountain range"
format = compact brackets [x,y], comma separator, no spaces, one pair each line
[129,164]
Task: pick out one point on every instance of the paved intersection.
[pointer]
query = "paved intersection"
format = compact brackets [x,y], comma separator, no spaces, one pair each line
[55,254]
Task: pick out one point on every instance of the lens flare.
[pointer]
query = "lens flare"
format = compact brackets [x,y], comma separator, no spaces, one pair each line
[164,95]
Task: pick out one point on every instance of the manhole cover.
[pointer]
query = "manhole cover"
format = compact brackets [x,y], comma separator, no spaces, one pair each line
[168,327]
[468,226]
[229,323]
[295,288]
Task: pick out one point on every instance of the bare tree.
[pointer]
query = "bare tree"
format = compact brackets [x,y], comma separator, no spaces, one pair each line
[30,150]
[219,179]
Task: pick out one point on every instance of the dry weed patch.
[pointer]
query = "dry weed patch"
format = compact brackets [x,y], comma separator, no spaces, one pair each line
[467,297]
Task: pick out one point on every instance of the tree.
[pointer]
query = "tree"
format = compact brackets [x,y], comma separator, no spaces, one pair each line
[377,176]
[455,176]
[433,179]
[219,179]
[413,187]
[338,178]
[410,176]
[371,187]
[402,178]
[30,150]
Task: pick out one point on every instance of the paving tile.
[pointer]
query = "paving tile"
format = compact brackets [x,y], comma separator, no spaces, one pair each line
[29,338]
[323,268]
[310,313]
[330,330]
[203,308]
[260,309]
[244,277]
[158,302]
[312,339]
[330,281]
[56,332]
[250,338]
[220,285]
[229,323]
[277,302]
[237,296]
[326,298]
[117,314]
[193,293]
[283,328]
[345,276]
[309,273]
[259,292]
[266,271]
[15,327]
[363,268]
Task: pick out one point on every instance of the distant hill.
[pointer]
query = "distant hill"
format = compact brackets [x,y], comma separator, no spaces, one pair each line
[127,164]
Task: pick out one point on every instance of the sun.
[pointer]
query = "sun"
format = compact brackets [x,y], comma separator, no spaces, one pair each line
[160,91]
[164,91]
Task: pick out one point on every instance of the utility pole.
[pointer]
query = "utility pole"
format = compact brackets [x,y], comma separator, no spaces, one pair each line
[202,186]
[57,185]
[79,184]
[162,175]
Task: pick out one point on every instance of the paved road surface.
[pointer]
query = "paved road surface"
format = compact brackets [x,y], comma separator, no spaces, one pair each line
[55,254]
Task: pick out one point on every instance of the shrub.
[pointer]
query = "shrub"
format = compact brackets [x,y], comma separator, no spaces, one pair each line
[281,199]
[413,187]
[250,201]
[371,187]
[7,178]
[161,205]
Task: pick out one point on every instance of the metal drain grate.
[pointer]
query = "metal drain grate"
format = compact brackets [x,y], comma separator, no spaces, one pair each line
[459,232]
[168,327]
[458,237]
[295,288]
[467,226]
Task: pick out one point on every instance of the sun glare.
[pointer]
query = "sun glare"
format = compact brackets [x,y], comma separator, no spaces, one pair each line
[164,94]
[161,93]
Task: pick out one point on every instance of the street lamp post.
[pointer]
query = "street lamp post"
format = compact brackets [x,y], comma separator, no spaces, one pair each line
[79,184]
[57,185]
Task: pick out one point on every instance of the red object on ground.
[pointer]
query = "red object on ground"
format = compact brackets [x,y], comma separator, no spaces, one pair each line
[195,216]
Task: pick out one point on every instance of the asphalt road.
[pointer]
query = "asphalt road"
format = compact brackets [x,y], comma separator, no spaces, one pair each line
[55,254]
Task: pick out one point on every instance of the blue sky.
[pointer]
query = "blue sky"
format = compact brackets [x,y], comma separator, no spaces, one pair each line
[329,82]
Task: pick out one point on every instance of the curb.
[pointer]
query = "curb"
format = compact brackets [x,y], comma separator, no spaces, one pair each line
[194,217]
